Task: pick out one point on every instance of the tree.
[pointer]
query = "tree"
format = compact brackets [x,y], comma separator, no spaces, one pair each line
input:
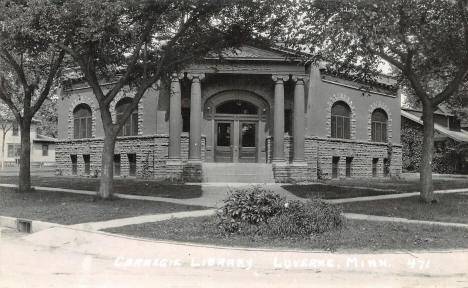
[6,124]
[425,41]
[140,43]
[29,65]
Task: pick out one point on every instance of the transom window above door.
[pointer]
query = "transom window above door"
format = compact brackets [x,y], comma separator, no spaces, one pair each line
[237,107]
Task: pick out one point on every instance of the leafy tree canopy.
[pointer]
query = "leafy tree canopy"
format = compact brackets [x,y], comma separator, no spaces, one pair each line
[425,41]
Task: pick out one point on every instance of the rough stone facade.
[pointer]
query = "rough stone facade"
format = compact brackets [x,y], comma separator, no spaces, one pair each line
[151,157]
[319,153]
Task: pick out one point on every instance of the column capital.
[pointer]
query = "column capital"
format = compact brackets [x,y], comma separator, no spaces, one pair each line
[299,79]
[176,77]
[198,76]
[277,77]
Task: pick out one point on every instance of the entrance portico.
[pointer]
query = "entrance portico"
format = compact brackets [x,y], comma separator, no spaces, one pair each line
[236,122]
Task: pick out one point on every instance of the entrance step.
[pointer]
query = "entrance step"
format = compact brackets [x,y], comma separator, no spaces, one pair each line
[238,173]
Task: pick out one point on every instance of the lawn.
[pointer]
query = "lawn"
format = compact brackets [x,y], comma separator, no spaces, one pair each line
[450,208]
[350,188]
[355,235]
[121,185]
[68,208]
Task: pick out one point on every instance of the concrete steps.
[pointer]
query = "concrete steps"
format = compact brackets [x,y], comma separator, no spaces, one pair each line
[238,173]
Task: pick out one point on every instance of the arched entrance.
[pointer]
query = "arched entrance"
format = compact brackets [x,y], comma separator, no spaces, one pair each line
[238,119]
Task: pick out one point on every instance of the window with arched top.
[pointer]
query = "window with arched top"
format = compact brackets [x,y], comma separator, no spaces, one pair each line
[130,128]
[82,121]
[341,120]
[236,107]
[379,125]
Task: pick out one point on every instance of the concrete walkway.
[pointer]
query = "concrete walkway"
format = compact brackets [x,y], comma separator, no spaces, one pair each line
[354,216]
[94,226]
[213,194]
[393,196]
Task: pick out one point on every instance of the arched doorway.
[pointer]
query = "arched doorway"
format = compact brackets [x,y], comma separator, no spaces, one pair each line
[238,119]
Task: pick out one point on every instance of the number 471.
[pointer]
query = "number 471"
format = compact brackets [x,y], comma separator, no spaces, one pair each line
[421,264]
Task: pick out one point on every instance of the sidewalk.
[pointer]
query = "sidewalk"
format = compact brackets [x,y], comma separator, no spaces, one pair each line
[213,194]
[94,226]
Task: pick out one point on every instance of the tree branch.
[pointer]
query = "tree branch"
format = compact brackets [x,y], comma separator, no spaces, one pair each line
[17,67]
[50,79]
[7,99]
[453,85]
[131,66]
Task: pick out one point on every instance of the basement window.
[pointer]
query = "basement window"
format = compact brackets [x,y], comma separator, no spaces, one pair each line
[87,164]
[131,164]
[117,165]
[349,163]
[375,162]
[74,162]
[335,163]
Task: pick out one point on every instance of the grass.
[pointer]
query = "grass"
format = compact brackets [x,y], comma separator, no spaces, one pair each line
[450,208]
[355,235]
[123,186]
[350,188]
[68,208]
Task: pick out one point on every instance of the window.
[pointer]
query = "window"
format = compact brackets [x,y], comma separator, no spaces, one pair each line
[441,120]
[185,119]
[117,165]
[87,164]
[454,123]
[131,164]
[375,162]
[439,146]
[349,162]
[15,129]
[82,121]
[45,149]
[379,126]
[340,121]
[335,163]
[74,161]
[236,107]
[130,128]
[288,121]
[14,150]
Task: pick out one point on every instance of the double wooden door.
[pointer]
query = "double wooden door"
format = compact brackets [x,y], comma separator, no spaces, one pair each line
[236,141]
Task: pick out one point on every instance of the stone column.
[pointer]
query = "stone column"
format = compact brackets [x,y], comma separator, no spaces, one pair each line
[278,114]
[298,124]
[195,117]
[175,119]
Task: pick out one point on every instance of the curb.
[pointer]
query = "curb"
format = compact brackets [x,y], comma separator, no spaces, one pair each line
[36,226]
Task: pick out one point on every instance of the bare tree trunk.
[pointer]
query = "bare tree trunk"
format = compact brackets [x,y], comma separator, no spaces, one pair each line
[427,189]
[3,147]
[106,186]
[24,184]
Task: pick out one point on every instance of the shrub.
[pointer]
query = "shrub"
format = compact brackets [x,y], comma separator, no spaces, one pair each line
[304,219]
[256,211]
[250,206]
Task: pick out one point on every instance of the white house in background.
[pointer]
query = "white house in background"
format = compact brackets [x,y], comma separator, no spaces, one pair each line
[42,147]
